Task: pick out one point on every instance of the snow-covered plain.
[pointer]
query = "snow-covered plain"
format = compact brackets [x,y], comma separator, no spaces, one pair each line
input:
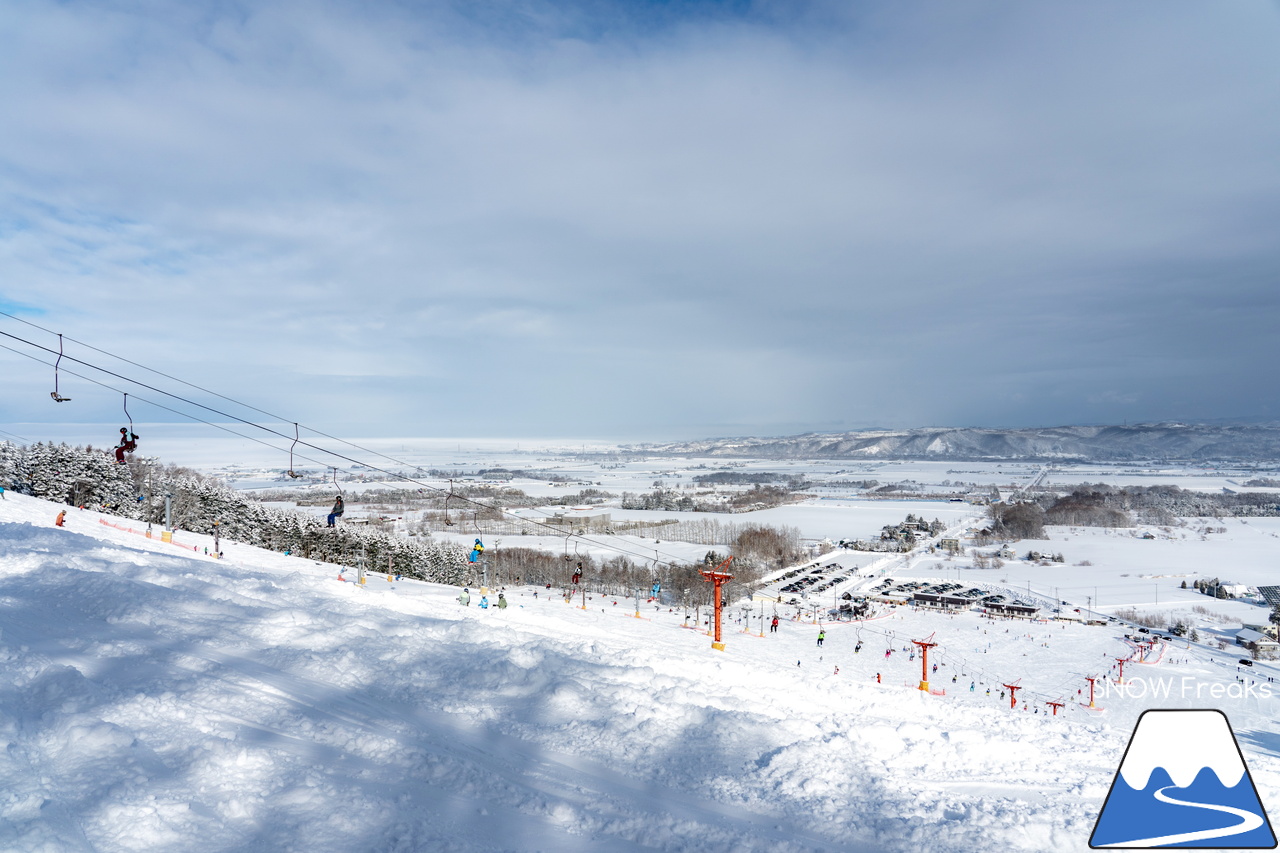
[155,699]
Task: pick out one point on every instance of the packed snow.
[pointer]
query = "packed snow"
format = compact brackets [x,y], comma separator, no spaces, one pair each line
[158,699]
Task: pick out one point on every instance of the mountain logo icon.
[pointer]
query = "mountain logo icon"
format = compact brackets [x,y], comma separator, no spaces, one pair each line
[1183,783]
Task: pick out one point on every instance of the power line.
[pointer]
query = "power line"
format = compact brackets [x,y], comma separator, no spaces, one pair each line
[644,558]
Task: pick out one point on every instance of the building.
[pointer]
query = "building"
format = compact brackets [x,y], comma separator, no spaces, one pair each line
[941,602]
[1021,611]
[1265,647]
[587,522]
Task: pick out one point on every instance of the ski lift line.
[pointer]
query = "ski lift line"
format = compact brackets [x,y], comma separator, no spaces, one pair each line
[643,558]
[181,414]
[14,435]
[206,390]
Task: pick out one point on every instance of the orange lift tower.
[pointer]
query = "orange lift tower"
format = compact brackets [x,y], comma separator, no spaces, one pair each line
[925,645]
[718,576]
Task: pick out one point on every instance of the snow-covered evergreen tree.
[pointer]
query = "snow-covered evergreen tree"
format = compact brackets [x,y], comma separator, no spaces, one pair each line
[92,478]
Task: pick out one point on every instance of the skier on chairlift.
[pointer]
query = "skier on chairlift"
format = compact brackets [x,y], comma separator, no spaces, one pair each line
[128,444]
[336,512]
[476,552]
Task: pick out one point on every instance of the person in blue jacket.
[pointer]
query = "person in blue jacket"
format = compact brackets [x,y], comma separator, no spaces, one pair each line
[476,551]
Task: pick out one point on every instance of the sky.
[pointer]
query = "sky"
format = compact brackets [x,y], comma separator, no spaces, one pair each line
[644,220]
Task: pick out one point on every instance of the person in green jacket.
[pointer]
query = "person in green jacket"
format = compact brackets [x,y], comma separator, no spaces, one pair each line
[502,601]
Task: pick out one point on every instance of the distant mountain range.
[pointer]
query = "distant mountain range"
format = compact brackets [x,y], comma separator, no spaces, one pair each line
[1160,441]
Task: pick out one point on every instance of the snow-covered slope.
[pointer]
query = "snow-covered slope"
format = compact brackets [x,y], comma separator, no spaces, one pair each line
[154,699]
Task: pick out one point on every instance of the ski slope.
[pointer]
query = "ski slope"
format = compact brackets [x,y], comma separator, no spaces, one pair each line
[155,699]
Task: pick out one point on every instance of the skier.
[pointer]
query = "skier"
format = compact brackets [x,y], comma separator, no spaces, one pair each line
[128,444]
[465,597]
[2,497]
[336,512]
[476,552]
[858,647]
[577,576]
[773,626]
[484,602]
[62,516]
[656,590]
[502,601]
[822,635]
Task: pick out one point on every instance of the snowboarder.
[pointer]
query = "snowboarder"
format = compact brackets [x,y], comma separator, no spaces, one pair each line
[128,444]
[822,635]
[465,597]
[336,512]
[62,516]
[502,601]
[476,551]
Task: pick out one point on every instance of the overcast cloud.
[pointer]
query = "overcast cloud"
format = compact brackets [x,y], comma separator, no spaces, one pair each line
[622,220]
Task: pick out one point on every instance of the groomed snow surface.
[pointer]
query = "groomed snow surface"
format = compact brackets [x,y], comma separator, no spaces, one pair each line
[155,699]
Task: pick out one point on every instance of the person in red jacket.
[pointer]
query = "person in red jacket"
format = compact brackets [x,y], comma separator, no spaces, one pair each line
[128,444]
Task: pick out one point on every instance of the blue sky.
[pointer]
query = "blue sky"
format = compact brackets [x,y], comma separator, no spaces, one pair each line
[668,219]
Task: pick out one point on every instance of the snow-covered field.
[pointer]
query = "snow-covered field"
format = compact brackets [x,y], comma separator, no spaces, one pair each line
[157,699]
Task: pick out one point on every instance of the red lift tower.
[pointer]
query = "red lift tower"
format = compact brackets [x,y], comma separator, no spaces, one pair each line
[1013,694]
[924,645]
[1122,662]
[1055,706]
[718,576]
[1091,679]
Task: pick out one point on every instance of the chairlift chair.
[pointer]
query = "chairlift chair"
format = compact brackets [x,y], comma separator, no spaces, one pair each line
[292,473]
[58,398]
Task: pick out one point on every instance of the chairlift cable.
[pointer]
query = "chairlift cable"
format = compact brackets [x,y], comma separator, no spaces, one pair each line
[672,560]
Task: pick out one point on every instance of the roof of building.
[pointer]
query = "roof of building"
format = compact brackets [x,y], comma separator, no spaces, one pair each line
[1248,635]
